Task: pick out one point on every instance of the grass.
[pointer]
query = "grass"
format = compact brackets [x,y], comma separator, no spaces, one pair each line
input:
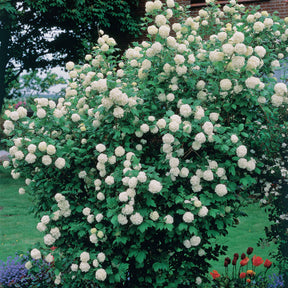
[17,227]
[246,234]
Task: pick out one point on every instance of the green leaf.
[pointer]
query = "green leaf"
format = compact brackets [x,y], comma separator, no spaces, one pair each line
[141,256]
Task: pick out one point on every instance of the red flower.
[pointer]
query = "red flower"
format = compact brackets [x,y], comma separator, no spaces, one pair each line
[244,261]
[249,250]
[267,264]
[242,275]
[236,256]
[215,274]
[248,280]
[53,248]
[243,256]
[234,261]
[227,261]
[257,261]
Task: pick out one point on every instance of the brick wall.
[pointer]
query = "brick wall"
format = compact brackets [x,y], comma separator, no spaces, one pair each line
[270,5]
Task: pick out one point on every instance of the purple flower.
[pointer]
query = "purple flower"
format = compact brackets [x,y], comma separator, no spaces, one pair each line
[12,271]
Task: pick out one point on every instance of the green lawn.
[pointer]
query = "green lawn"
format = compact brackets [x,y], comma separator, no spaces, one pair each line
[17,227]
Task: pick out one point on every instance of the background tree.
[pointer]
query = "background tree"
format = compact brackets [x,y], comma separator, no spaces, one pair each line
[41,34]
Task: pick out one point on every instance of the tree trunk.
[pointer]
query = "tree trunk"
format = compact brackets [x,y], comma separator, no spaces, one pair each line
[4,59]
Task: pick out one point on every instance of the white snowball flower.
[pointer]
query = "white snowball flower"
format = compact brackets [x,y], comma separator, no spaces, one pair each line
[70,65]
[203,211]
[155,186]
[21,191]
[161,123]
[45,219]
[109,180]
[188,217]
[142,177]
[101,274]
[49,240]
[144,128]
[118,112]
[41,113]
[185,110]
[195,180]
[169,219]
[123,197]
[6,164]
[74,267]
[75,117]
[234,139]
[55,232]
[225,84]
[184,172]
[136,218]
[101,257]
[14,115]
[35,254]
[19,155]
[22,112]
[100,196]
[258,27]
[221,190]
[30,158]
[251,165]
[252,82]
[86,211]
[242,163]
[42,146]
[93,238]
[60,163]
[152,30]
[170,3]
[260,51]
[195,240]
[241,151]
[122,219]
[99,217]
[200,137]
[154,215]
[51,150]
[119,151]
[220,172]
[28,265]
[198,280]
[46,160]
[173,126]
[179,59]
[199,113]
[84,267]
[280,89]
[49,258]
[100,148]
[164,31]
[208,175]
[208,127]
[84,257]
[187,243]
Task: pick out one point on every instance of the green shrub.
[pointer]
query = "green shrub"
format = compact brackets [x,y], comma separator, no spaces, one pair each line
[143,162]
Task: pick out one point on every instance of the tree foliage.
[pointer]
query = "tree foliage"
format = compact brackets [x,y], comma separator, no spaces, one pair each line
[30,31]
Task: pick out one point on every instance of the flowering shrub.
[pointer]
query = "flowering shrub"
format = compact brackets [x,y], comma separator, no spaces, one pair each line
[141,165]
